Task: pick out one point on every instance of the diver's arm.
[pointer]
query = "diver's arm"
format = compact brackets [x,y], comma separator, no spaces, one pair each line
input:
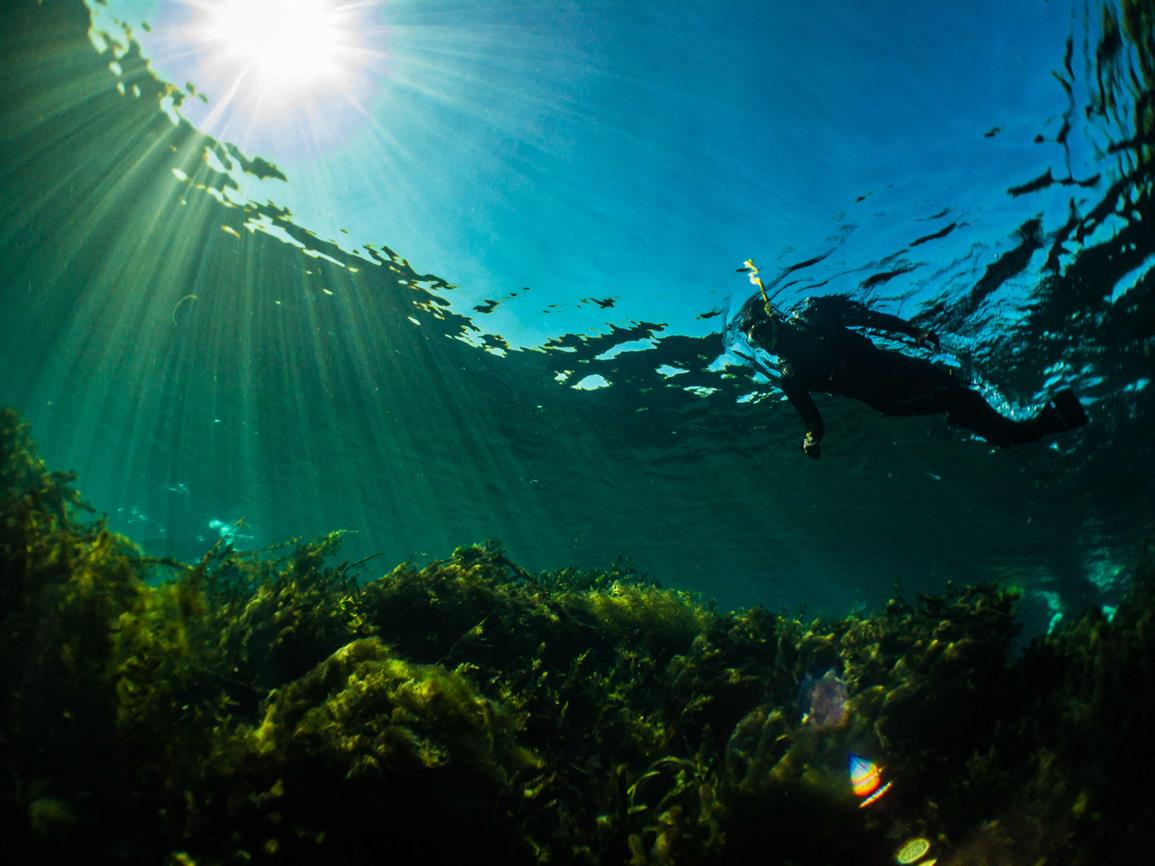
[855,314]
[894,325]
[869,318]
[859,314]
[807,409]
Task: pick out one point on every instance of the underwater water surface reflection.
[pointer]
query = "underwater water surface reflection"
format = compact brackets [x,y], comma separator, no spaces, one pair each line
[200,357]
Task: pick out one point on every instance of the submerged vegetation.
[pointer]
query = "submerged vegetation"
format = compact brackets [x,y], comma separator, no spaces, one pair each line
[275,708]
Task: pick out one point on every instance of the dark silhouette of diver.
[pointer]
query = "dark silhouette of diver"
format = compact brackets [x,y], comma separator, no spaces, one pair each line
[817,351]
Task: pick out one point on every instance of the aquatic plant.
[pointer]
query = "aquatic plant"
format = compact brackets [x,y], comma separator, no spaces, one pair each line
[64,584]
[273,706]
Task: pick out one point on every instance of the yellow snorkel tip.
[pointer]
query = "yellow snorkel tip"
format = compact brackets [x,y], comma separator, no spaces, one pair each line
[749,267]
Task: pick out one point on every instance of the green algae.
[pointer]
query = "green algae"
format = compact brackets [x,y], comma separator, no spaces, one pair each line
[274,707]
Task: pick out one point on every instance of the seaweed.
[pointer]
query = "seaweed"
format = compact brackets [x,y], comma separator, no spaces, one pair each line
[278,707]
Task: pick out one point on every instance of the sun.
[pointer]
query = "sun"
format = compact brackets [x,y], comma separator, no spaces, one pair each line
[287,44]
[275,63]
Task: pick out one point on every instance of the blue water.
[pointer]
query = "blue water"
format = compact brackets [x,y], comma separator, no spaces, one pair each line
[398,326]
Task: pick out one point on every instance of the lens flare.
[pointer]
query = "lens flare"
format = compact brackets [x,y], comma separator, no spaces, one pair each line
[912,850]
[865,779]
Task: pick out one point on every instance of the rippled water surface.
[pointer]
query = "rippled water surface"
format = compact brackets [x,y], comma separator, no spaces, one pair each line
[485,298]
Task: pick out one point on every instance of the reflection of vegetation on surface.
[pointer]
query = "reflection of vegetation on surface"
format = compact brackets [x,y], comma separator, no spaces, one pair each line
[271,708]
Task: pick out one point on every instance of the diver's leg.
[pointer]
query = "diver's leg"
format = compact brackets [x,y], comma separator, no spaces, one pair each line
[964,407]
[967,408]
[897,384]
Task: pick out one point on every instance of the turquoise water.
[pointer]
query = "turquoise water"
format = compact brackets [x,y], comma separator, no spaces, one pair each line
[390,327]
[404,345]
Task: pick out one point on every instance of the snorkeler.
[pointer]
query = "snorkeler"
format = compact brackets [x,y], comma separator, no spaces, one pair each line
[817,350]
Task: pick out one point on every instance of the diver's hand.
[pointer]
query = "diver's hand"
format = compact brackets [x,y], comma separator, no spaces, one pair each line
[810,446]
[928,338]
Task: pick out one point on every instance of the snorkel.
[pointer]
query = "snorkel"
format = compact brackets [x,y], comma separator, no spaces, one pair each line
[748,267]
[737,333]
[770,323]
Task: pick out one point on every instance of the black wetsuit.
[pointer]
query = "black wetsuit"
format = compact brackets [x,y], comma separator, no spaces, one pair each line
[818,351]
